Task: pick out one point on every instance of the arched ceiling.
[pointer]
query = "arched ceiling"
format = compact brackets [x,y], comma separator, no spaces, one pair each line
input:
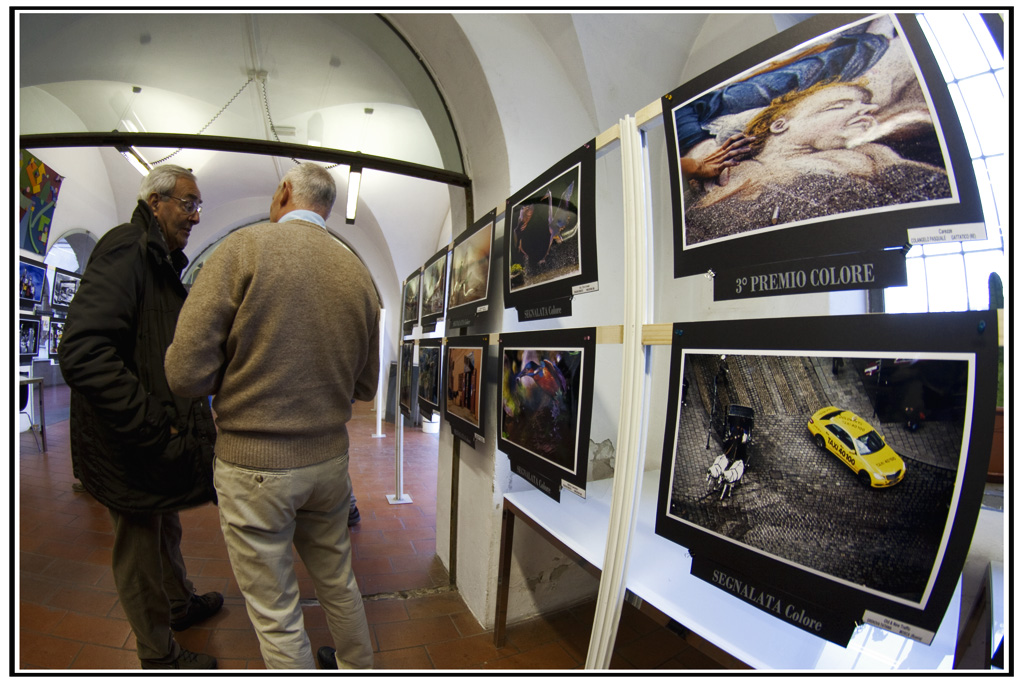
[340,81]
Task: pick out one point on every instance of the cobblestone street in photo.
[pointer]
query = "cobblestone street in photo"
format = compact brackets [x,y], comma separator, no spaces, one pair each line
[800,503]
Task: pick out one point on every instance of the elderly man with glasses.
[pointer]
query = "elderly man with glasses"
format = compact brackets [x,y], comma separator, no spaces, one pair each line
[139,449]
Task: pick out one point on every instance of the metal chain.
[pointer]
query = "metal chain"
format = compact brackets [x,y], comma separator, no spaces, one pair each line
[266,107]
[215,117]
[270,120]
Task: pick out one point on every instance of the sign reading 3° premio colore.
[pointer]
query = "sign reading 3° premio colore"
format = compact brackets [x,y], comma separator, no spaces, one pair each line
[866,270]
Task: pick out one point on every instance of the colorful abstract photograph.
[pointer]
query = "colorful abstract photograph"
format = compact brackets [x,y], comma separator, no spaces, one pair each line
[540,402]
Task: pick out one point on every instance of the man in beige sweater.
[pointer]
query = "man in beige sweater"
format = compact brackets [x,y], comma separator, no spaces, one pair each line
[281,326]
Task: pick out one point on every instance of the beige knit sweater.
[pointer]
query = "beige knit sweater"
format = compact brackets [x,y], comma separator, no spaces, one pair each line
[281,326]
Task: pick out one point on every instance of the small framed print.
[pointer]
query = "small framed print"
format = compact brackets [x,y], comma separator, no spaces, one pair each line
[429,385]
[65,285]
[411,302]
[433,282]
[465,361]
[471,272]
[547,387]
[550,233]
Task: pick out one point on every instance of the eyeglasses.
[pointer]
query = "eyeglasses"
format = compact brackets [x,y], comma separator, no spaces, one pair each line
[191,206]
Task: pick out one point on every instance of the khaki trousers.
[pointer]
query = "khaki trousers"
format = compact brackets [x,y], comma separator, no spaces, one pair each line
[262,514]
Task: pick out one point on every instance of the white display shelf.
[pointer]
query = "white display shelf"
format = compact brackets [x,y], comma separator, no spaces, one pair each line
[659,575]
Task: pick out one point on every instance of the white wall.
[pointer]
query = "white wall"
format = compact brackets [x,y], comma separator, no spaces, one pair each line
[86,199]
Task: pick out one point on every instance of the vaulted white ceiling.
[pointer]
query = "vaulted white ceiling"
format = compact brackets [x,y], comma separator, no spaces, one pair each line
[340,81]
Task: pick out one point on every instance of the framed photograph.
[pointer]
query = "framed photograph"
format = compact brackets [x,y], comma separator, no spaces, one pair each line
[835,136]
[65,284]
[837,467]
[405,391]
[471,272]
[547,388]
[465,360]
[411,302]
[31,280]
[429,385]
[56,332]
[550,233]
[29,330]
[433,283]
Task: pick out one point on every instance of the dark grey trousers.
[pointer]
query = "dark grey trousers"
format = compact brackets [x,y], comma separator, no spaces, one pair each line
[149,573]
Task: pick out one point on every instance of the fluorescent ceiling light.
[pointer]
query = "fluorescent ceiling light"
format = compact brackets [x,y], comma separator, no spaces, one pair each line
[135,159]
[355,176]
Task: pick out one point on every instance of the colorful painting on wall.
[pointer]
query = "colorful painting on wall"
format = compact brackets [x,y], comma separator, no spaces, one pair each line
[39,186]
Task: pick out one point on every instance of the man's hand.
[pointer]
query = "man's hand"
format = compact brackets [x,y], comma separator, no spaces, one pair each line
[729,154]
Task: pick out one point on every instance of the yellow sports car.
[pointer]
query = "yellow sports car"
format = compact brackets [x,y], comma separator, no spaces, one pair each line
[858,445]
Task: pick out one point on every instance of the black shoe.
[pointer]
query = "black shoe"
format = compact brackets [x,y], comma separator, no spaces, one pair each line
[202,607]
[353,516]
[325,658]
[186,660]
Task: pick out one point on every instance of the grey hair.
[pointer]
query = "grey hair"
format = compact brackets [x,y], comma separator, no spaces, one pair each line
[313,187]
[162,180]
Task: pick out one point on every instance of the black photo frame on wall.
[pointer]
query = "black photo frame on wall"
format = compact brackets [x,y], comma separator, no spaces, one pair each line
[547,394]
[31,281]
[433,282]
[406,392]
[470,278]
[465,367]
[429,384]
[551,238]
[831,475]
[65,285]
[411,302]
[860,150]
[29,330]
[56,332]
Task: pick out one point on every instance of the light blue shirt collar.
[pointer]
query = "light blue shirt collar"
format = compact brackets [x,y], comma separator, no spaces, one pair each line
[304,215]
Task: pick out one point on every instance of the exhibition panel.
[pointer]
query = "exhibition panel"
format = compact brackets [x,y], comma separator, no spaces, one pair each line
[875,395]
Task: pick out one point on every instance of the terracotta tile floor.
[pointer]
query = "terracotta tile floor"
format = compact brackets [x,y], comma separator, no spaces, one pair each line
[70,617]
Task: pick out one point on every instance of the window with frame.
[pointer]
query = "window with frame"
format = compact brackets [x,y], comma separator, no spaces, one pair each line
[955,276]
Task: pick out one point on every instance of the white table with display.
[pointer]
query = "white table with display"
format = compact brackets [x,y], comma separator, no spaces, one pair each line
[659,574]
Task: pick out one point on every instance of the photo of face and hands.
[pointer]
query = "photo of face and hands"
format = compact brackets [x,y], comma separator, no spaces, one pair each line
[835,126]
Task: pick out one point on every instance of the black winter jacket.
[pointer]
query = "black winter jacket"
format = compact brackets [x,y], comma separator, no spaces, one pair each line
[118,328]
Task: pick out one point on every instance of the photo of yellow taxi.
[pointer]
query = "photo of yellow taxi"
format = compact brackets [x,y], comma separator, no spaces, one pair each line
[858,445]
